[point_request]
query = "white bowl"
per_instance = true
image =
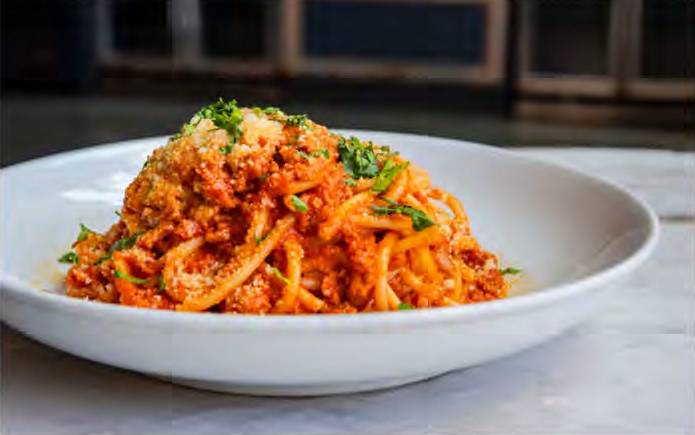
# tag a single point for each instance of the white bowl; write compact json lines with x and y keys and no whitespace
{"x":570,"y":233}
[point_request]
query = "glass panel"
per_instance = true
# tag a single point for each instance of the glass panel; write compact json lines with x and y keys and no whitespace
{"x":570,"y":36}
{"x":234,"y":28}
{"x":668,"y":38}
{"x":141,"y":27}
{"x":389,"y":30}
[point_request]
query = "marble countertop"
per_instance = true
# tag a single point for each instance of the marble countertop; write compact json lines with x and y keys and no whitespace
{"x":628,"y":370}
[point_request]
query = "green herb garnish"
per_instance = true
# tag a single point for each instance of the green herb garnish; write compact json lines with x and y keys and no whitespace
{"x":387,"y":174}
{"x":120,"y":274}
{"x":386,"y":151}
{"x":161,"y":284}
{"x":117,"y":213}
{"x":275,"y":271}
{"x":270,"y":111}
{"x":358,"y":160}
{"x":350,"y":181}
{"x":273,"y":111}
{"x":297,"y":121}
{"x":298,"y":204}
{"x":186,"y":130}
{"x":118,"y":245}
{"x":84,"y":233}
{"x":226,"y":149}
{"x":323,"y":152}
{"x":419,"y":218}
{"x":258,"y":239}
{"x":510,"y":271}
{"x":405,"y":306}
{"x":69,"y":258}
{"x":318,"y":153}
{"x":225,"y":115}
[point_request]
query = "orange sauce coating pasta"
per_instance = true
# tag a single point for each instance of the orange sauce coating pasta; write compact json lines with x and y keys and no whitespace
{"x":254,"y":211}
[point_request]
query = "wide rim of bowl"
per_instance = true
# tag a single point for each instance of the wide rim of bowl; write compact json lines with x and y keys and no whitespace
{"x":11,"y":286}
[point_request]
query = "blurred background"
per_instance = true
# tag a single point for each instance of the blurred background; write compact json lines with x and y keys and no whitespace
{"x":618,"y":73}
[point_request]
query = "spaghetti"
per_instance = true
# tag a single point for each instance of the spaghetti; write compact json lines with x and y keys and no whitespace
{"x":250,"y":210}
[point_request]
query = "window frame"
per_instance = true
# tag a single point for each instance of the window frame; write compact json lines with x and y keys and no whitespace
{"x":294,"y":61}
{"x":624,"y":79}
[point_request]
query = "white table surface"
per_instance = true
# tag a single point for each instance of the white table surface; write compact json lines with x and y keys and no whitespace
{"x":628,"y":370}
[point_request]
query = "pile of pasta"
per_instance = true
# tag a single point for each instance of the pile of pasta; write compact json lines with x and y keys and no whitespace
{"x":251,"y":210}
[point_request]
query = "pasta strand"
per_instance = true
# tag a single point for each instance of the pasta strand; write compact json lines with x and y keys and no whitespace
{"x":226,"y":285}
{"x":294,"y":274}
{"x":399,"y":224}
{"x":380,"y":287}
{"x":425,"y":289}
{"x":426,"y":237}
{"x":328,"y":229}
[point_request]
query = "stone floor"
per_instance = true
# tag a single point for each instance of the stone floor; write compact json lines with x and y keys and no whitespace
{"x":33,"y":126}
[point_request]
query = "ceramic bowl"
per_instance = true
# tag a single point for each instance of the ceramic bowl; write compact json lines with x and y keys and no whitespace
{"x":573,"y":235}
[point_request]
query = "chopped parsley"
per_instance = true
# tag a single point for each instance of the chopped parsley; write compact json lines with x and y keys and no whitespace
{"x":161,"y":284}
{"x":405,"y":306}
{"x":226,"y":149}
{"x":350,"y":181}
{"x":117,"y":213}
{"x":225,"y":115}
{"x":358,"y":160}
{"x":298,"y":204}
{"x":510,"y":271}
{"x":269,"y":111}
{"x":186,"y":130}
{"x":259,"y":239}
{"x":297,"y":121}
{"x":273,"y":111}
{"x":122,"y":275}
{"x":387,"y":174}
{"x":275,"y":271}
{"x":85,"y":232}
{"x":69,"y":258}
{"x":419,"y":218}
{"x":318,"y":153}
{"x":323,"y":152}
{"x":118,"y":245}
{"x":386,"y":151}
